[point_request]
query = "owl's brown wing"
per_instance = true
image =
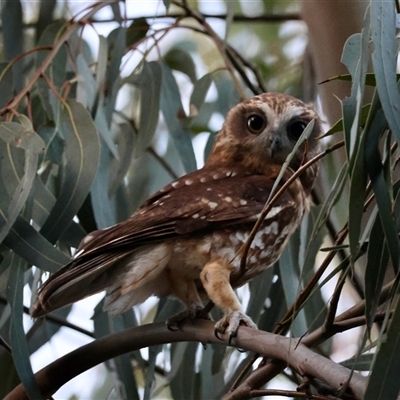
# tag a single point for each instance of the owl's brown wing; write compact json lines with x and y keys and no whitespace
{"x":202,"y":201}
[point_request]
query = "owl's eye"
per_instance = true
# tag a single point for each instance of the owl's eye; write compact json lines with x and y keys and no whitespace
{"x":256,"y":123}
{"x":295,"y":129}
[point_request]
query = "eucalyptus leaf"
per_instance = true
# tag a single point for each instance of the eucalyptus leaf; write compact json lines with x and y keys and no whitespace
{"x":20,"y":195}
{"x":22,"y":137}
{"x":120,"y":367}
{"x":380,"y":187}
{"x":199,"y":93}
{"x":183,"y":384}
{"x":19,"y":345}
{"x":136,"y":31}
{"x":102,"y":125}
{"x":25,"y":241}
{"x":383,"y":383}
{"x":180,"y":60}
{"x":358,"y":183}
{"x":101,"y":66}
{"x":44,"y":329}
{"x":45,"y":18}
{"x":103,"y":206}
{"x":384,"y":59}
{"x":119,"y":167}
{"x":56,"y":71}
{"x":116,"y":49}
{"x":86,"y":89}
{"x":6,"y":84}
{"x":175,"y":117}
{"x":360,"y":363}
{"x":149,"y":84}
{"x":375,"y":271}
{"x":82,"y":158}
{"x":338,"y":126}
{"x":289,"y":272}
{"x":13,"y":39}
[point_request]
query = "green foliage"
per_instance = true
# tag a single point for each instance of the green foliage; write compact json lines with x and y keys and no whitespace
{"x":85,"y":138}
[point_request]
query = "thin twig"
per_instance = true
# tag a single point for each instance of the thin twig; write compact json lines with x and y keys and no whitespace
{"x":4,"y":343}
{"x":274,"y":18}
{"x":250,"y":66}
{"x":52,"y":53}
{"x":330,"y":315}
{"x":241,"y":71}
{"x":221,"y":46}
{"x":162,"y":161}
{"x":287,"y":393}
{"x":308,"y":289}
{"x":53,"y":318}
{"x":244,"y":250}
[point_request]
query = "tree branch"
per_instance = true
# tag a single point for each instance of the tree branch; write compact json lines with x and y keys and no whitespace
{"x":289,"y":351}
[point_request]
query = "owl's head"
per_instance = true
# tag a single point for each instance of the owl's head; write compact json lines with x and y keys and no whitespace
{"x":263,"y":130}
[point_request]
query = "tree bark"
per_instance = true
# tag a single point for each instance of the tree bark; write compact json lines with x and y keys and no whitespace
{"x":330,"y":23}
{"x":289,"y":350}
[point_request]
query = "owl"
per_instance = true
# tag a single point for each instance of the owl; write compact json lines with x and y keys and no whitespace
{"x":185,"y":240}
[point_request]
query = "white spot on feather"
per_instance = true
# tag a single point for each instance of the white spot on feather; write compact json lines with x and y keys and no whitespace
{"x":228,"y":199}
{"x":265,"y":253}
{"x":234,"y":239}
{"x":258,"y":239}
{"x":273,"y":228}
{"x":212,"y":205}
{"x":241,"y":236}
{"x":274,"y":211}
{"x":188,"y":182}
{"x":253,"y":259}
{"x":243,"y":202}
{"x":195,"y":216}
{"x":175,"y":184}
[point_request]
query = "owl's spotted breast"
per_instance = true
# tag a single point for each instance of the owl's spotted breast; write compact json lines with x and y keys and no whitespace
{"x":185,"y":240}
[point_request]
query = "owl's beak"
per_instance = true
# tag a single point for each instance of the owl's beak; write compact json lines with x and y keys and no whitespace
{"x":276,"y":144}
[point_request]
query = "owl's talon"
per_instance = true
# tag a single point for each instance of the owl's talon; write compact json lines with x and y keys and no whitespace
{"x":216,"y":334}
{"x":191,"y":314}
{"x":229,"y":324}
{"x":172,"y":326}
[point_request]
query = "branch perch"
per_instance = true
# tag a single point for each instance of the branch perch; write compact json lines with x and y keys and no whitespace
{"x":290,"y":351}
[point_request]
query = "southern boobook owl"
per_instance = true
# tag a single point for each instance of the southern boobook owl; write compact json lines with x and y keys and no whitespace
{"x":184,"y":240}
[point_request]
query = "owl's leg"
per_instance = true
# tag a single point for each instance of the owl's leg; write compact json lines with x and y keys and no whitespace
{"x":186,"y":291}
{"x":215,"y":278}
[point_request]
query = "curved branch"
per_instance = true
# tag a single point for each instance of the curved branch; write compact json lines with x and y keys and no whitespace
{"x":290,"y":351}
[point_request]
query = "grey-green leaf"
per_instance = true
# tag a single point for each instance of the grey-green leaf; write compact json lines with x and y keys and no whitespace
{"x":384,"y":59}
{"x":20,"y":349}
{"x":384,"y":382}
{"x":180,"y":60}
{"x":82,"y":158}
{"x":175,"y":119}
{"x":20,"y":136}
